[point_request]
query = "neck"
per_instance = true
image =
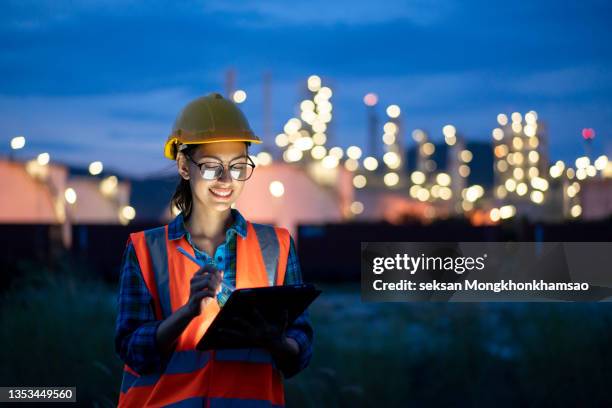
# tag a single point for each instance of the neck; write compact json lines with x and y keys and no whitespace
{"x":208,"y":223}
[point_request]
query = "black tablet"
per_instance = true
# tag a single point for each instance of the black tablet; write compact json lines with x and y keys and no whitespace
{"x":269,"y":301}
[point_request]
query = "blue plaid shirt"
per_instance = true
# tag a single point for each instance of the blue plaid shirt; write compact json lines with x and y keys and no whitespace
{"x":136,"y":325}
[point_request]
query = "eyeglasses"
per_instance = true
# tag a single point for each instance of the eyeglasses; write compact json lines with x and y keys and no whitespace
{"x":213,"y":170}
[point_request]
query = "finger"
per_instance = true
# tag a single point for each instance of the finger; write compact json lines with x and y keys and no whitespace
{"x":202,"y":294}
{"x":214,"y":280}
{"x":214,"y":284}
{"x":200,"y":283}
{"x":198,"y":273}
{"x":204,"y":271}
{"x":218,"y":274}
{"x":196,"y":286}
{"x":208,"y":268}
{"x":205,"y":293}
{"x":206,"y":276}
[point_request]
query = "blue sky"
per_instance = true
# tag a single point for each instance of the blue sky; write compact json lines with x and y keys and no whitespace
{"x":104,"y":80}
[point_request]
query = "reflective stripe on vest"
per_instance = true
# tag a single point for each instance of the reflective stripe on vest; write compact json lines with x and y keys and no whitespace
{"x":229,"y":377}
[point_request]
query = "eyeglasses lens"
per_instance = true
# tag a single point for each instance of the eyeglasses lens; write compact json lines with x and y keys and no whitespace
{"x":238,"y":171}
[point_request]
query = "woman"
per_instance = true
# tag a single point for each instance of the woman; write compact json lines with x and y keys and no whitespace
{"x":166,"y":300}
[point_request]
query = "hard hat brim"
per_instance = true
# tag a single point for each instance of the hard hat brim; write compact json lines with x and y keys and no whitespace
{"x":170,"y":149}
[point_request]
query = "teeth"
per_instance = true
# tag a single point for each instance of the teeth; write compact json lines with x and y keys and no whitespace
{"x":221,"y":192}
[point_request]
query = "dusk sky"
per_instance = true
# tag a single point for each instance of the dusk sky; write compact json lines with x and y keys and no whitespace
{"x":104,"y":80}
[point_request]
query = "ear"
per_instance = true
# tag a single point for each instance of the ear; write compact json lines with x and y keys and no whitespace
{"x":181,"y":164}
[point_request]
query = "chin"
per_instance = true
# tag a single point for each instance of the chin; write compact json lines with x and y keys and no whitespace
{"x":220,"y":206}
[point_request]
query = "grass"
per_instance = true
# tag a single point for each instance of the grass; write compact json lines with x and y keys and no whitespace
{"x":455,"y":354}
{"x":58,"y":328}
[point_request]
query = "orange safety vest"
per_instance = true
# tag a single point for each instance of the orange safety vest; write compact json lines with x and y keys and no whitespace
{"x":213,"y":378}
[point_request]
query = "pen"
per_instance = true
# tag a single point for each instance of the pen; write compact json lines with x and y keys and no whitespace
{"x":224,"y":285}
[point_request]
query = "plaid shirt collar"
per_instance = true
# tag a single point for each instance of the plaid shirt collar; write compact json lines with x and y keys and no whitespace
{"x":176,"y":228}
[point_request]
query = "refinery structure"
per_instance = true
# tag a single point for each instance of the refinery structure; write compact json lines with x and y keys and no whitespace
{"x":526,"y":183}
{"x":304,"y":178}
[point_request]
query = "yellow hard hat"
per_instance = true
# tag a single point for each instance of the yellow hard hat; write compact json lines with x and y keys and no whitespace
{"x":207,"y":119}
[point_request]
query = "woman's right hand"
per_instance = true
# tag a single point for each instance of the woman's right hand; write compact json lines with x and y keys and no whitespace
{"x":205,"y":285}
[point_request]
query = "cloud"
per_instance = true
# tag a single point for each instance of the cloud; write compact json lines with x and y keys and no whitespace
{"x":81,"y":129}
{"x":98,"y":46}
{"x":113,"y":73}
{"x":322,"y":12}
{"x":31,"y":15}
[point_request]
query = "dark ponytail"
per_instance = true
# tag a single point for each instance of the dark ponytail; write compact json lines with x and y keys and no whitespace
{"x":182,"y":197}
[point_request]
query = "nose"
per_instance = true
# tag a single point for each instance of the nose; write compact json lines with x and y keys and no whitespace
{"x":225,"y":178}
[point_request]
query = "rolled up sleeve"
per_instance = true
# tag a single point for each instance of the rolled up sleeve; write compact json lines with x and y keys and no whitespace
{"x":136,"y":325}
{"x":301,"y":329}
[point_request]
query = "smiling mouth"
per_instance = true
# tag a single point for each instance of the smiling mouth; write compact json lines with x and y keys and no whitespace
{"x":221,"y":192}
